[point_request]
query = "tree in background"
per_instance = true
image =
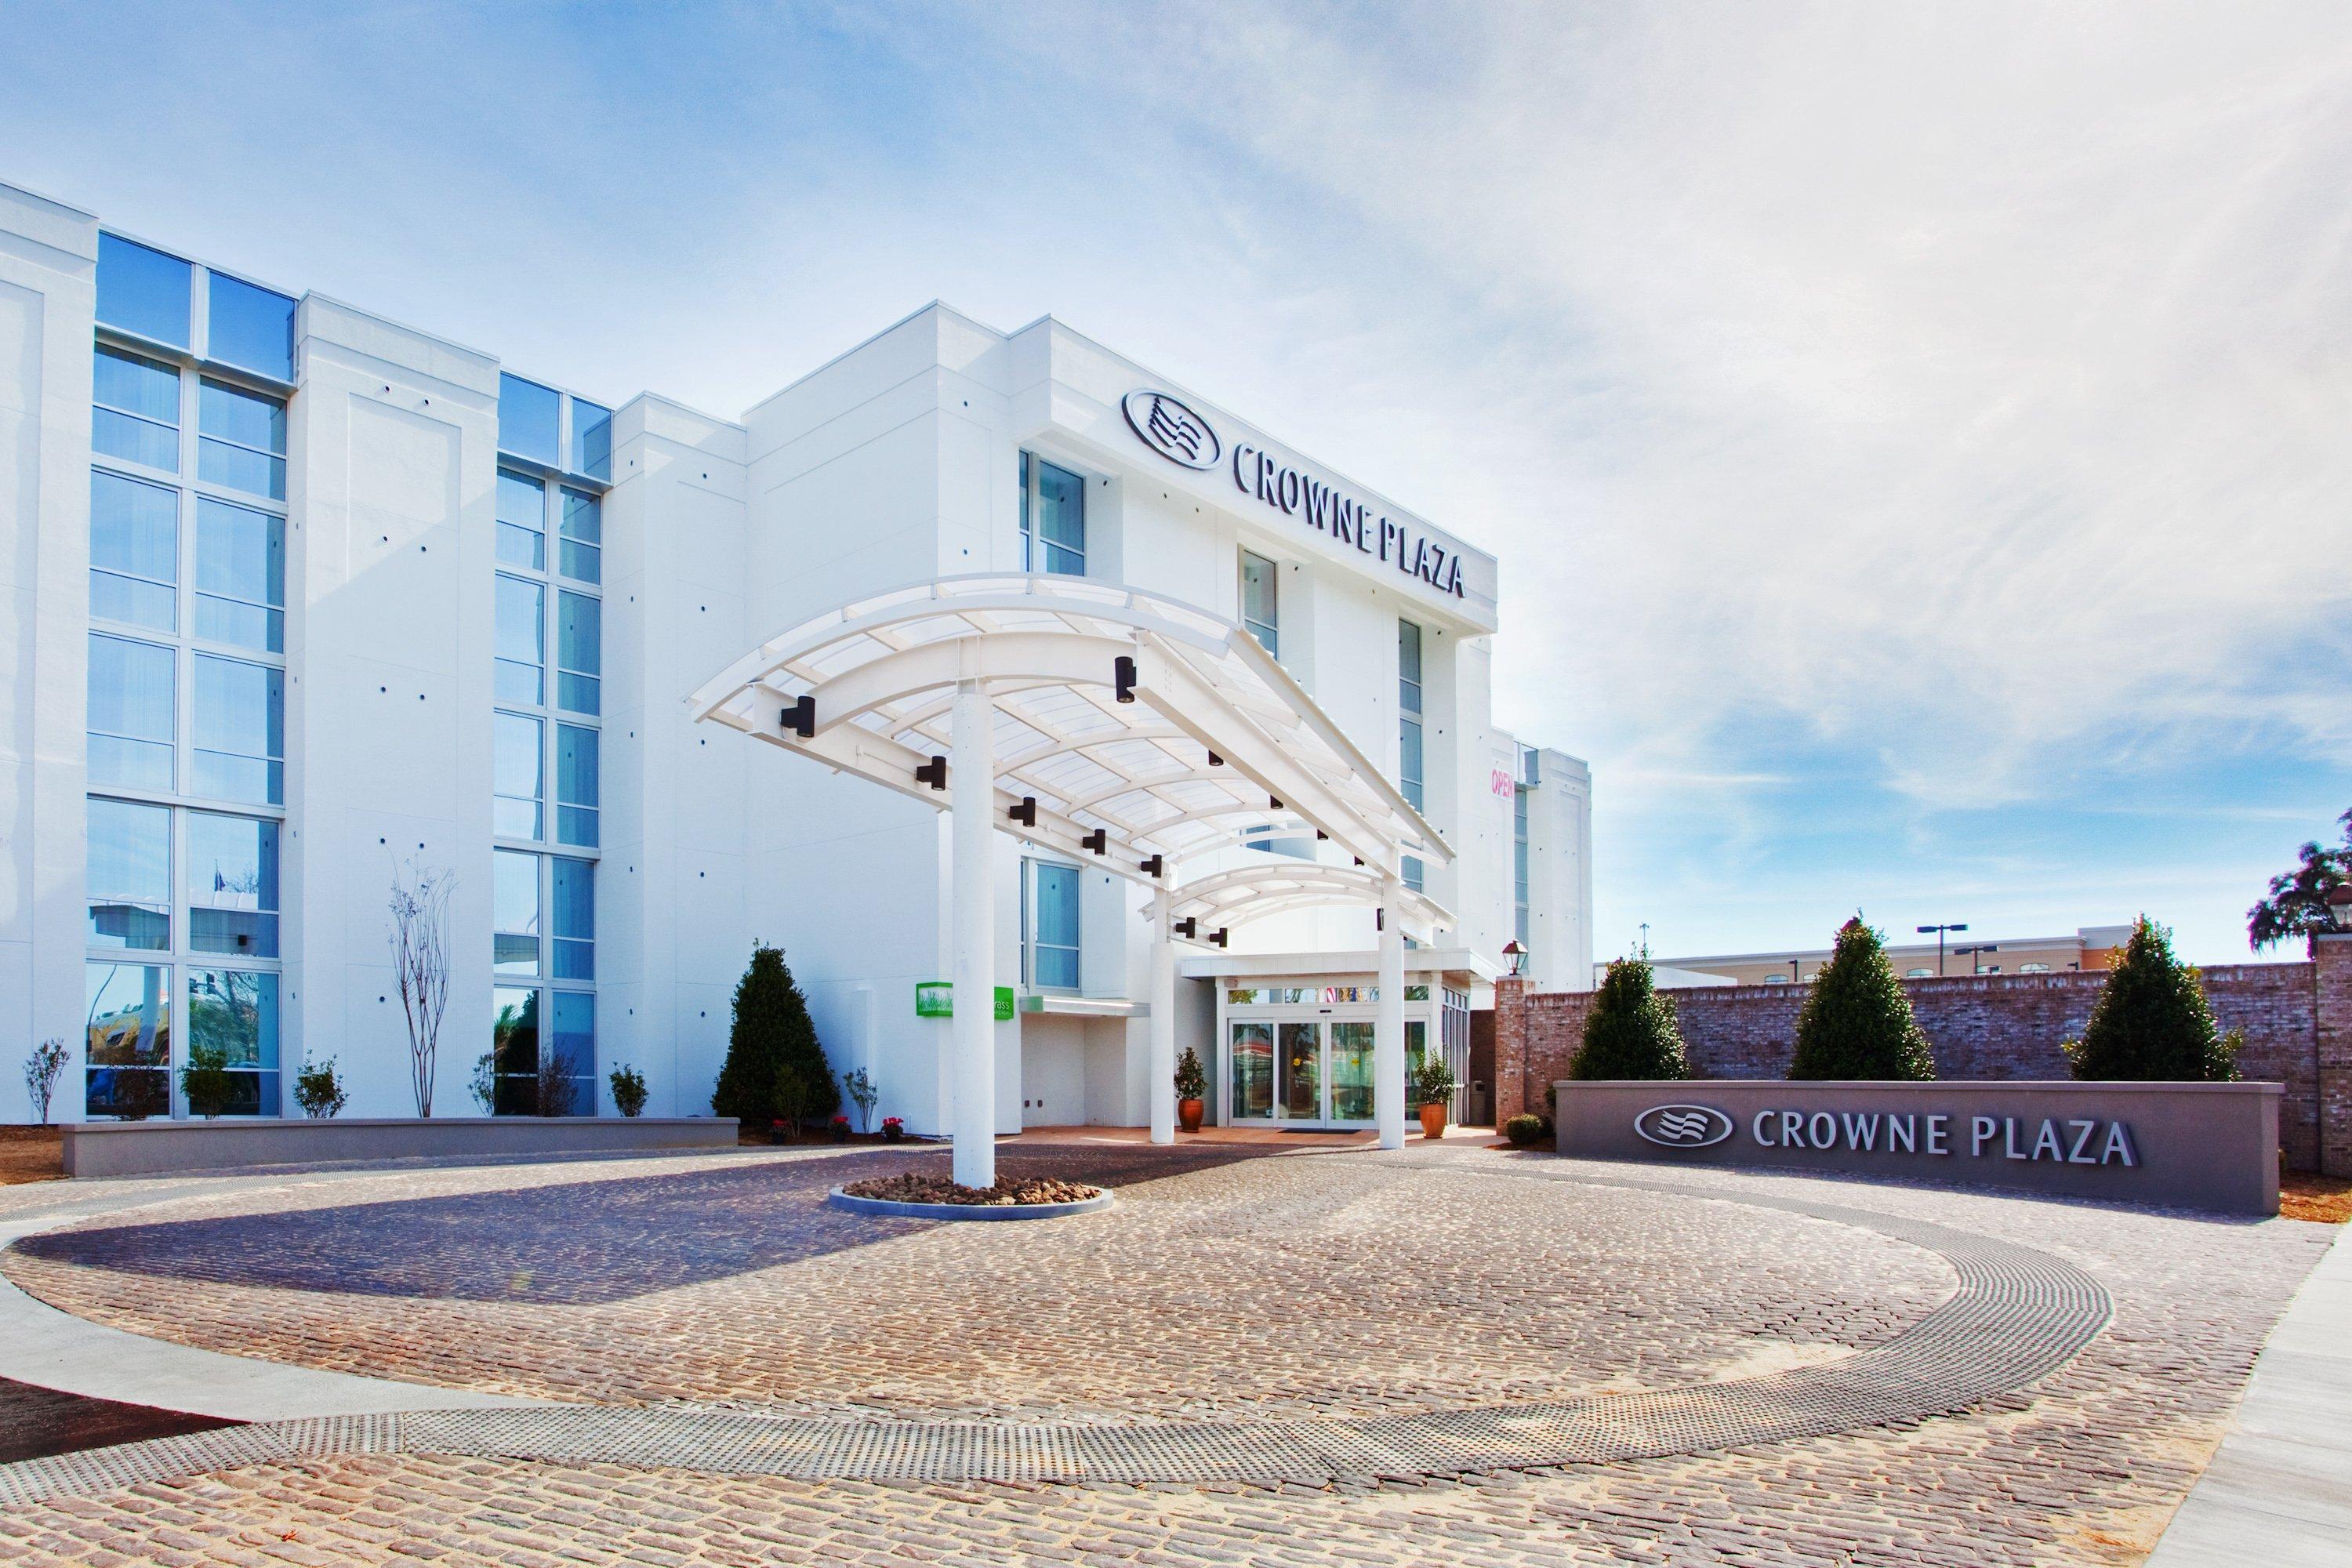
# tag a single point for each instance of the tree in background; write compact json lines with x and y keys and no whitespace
{"x":2297,"y":905}
{"x":1631,"y":1030}
{"x":1857,"y":1022}
{"x":773,"y":1031}
{"x":2152,"y":1022}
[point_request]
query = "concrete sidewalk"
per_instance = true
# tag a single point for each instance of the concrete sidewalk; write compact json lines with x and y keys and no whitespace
{"x":2279,"y":1492}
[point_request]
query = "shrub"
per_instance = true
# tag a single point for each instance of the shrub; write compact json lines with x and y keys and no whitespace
{"x":484,"y":1086}
{"x":1857,"y":1022}
{"x":788,"y":1101}
{"x":559,"y":1091}
{"x":628,"y":1090}
{"x":1433,"y":1081}
{"x":864,"y":1095}
{"x":2152,"y":1021}
{"x":317,"y":1092}
{"x":42,"y":1063}
{"x":1631,"y":1031}
{"x":772,"y":1030}
{"x":1191,"y":1078}
{"x":1523,"y":1131}
{"x":204,"y":1080}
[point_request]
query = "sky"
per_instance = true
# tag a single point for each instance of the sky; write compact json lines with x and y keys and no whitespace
{"x":1918,"y":438}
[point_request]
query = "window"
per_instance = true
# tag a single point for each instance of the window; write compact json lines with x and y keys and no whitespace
{"x":573,"y":929}
{"x":1918,"y":975}
{"x":591,"y":439}
{"x":1050,"y":931}
{"x":579,"y":661}
{"x":575,"y":786}
{"x":1053,"y":519}
{"x":1520,"y":864}
{"x":132,"y":715}
{"x":568,"y":1085}
{"x":130,"y":876}
{"x":574,"y":1040}
{"x":529,"y":417}
{"x":127,"y":1054}
{"x":143,"y":291}
{"x":240,"y":576}
{"x":240,"y":732}
{"x":250,"y":328}
{"x":241,"y":440}
{"x":1409,"y":731}
{"x":522,"y":521}
{"x":2034,"y":969}
{"x":134,"y":410}
{"x":134,"y":552}
{"x":235,"y":1011}
{"x":518,"y":776}
{"x":514,"y":912}
{"x":521,"y":641}
{"x":584,"y":534}
{"x":1258,"y":607}
{"x":514,"y":1051}
{"x":232,"y":885}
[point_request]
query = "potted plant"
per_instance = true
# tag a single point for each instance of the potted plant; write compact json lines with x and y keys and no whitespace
{"x":1433,"y":1090}
{"x":1191,"y":1089}
{"x":893,"y":1130}
{"x":841,"y":1129}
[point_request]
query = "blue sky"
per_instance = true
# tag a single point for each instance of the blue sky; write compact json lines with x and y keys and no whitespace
{"x":1917,"y":436}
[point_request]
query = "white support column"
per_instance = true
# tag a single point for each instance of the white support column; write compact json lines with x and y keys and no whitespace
{"x":1388,"y":1021}
{"x":972,"y":799}
{"x":1163,"y":1020}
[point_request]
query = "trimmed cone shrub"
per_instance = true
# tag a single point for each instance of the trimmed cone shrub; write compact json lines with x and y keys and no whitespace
{"x":772,"y":1030}
{"x":1631,"y":1031}
{"x":1857,"y":1022}
{"x":2152,"y":1021}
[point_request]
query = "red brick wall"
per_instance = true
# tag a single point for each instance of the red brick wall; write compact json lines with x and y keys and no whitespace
{"x":2332,"y":958}
{"x":1992,"y":1026}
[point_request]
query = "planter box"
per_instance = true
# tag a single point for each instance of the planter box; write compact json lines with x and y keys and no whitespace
{"x":166,"y":1148}
{"x":2212,"y":1146}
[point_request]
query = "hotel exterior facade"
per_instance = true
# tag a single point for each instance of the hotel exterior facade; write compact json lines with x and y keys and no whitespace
{"x":304,"y":603}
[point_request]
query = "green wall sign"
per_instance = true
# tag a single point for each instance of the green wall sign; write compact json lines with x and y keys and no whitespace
{"x":935,"y":999}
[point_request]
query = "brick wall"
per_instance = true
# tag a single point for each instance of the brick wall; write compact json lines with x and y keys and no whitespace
{"x":1990,"y":1026}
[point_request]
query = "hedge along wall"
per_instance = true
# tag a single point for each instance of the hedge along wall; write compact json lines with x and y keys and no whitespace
{"x":1983,"y":1026}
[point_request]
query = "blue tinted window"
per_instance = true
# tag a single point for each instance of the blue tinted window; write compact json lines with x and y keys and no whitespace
{"x":134,"y":550}
{"x":522,"y":521}
{"x":235,"y":1010}
{"x":578,"y":652}
{"x":591,"y":439}
{"x":143,"y":291}
{"x":240,"y":576}
{"x":573,"y":921}
{"x":251,"y":328}
{"x":521,"y":641}
{"x":1054,"y":954}
{"x":241,"y":440}
{"x":131,"y":716}
{"x":128,"y":873}
{"x":584,"y":532}
{"x":240,"y":732}
{"x":574,"y":1042}
{"x":136,"y":416}
{"x":529,"y":417}
{"x":517,"y":771}
{"x":575,"y":786}
{"x":232,"y":885}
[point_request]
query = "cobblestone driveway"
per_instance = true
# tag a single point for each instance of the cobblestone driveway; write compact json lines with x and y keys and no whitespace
{"x":1328,"y":1284}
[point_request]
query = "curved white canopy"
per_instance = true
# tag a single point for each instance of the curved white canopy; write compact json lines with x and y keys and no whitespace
{"x":1129,"y":730}
{"x":1230,"y":900}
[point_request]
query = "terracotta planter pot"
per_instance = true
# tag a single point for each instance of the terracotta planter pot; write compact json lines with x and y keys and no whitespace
{"x":1433,"y":1119}
{"x":1188,"y":1114}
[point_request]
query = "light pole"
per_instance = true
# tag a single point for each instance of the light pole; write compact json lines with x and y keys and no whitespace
{"x":1939,"y":931}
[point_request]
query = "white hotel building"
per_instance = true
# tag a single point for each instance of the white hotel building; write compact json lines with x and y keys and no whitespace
{"x":297,"y":596}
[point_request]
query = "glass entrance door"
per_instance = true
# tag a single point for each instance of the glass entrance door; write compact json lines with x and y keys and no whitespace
{"x":1351,"y":1072}
{"x":1252,"y":1071}
{"x":1298,"y":1070}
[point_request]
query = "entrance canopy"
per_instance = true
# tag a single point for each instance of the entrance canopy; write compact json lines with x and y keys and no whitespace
{"x":1126,"y":730}
{"x":1231,"y":900}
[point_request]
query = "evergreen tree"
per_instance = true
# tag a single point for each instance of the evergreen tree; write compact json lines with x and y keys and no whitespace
{"x":1631,"y":1030}
{"x":2152,"y":1022}
{"x":1857,"y":1022}
{"x":772,"y":1030}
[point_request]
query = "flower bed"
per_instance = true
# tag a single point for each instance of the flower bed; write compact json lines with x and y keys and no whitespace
{"x":1008,"y":1192}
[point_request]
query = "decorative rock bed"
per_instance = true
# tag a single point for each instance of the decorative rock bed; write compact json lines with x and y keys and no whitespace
{"x":912,"y":1195}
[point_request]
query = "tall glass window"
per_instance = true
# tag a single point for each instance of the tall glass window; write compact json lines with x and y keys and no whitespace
{"x":134,"y":410}
{"x":514,"y":911}
{"x":132,"y":721}
{"x":240,"y":576}
{"x":250,"y":328}
{"x":530,"y":419}
{"x":1053,"y":926}
{"x":235,"y":1011}
{"x":1053,"y":519}
{"x":514,"y":1050}
{"x":241,"y":440}
{"x":143,"y":291}
{"x":575,"y":786}
{"x":240,"y":732}
{"x":130,"y":876}
{"x":1409,"y":759}
{"x":134,"y":552}
{"x":518,"y":776}
{"x":584,"y":536}
{"x":573,"y":1040}
{"x":522,"y":521}
{"x":1260,"y":612}
{"x":521,"y":641}
{"x":572,"y":930}
{"x":232,"y":885}
{"x":591,"y":439}
{"x":127,"y":1052}
{"x":1520,"y":864}
{"x":579,"y":652}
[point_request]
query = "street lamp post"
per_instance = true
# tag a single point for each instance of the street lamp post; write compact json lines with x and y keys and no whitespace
{"x":1939,"y":931}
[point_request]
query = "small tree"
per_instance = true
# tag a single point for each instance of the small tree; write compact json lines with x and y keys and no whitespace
{"x":628,"y":1090}
{"x":2297,"y":905}
{"x":864,"y":1095}
{"x":788,"y":1101}
{"x":1857,"y":1022}
{"x":2152,"y":1021}
{"x":1433,"y":1082}
{"x":42,"y":1066}
{"x":317,"y":1092}
{"x":772,"y":1030}
{"x":204,"y":1079}
{"x":1631,"y":1031}
{"x":1192,"y":1080}
{"x":484,"y":1085}
{"x":420,"y":960}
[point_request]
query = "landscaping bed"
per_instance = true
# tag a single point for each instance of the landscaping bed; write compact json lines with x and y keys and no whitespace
{"x":1010,"y":1192}
{"x":2303,"y":1195}
{"x":31,"y":1154}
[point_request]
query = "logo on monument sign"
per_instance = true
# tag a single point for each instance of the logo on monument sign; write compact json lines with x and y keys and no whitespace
{"x":1170,"y":429}
{"x":1683,"y":1126}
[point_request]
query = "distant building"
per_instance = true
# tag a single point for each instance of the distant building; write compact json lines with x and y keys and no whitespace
{"x":2091,"y":947}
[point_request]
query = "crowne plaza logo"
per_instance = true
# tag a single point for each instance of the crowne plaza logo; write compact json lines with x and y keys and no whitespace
{"x":1172,"y":429}
{"x":1683,"y":1126}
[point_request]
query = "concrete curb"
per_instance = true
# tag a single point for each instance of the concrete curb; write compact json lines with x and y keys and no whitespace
{"x":896,"y":1210}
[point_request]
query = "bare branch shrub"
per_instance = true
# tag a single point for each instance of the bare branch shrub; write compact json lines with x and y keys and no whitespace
{"x":420,"y":955}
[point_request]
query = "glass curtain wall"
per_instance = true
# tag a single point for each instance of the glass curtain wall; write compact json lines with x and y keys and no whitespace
{"x":1053,"y":518}
{"x":555,"y":459}
{"x":1409,"y":730}
{"x":191,"y":372}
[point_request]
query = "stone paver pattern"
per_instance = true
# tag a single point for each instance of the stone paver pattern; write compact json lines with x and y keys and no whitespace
{"x":1530,"y":1286}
